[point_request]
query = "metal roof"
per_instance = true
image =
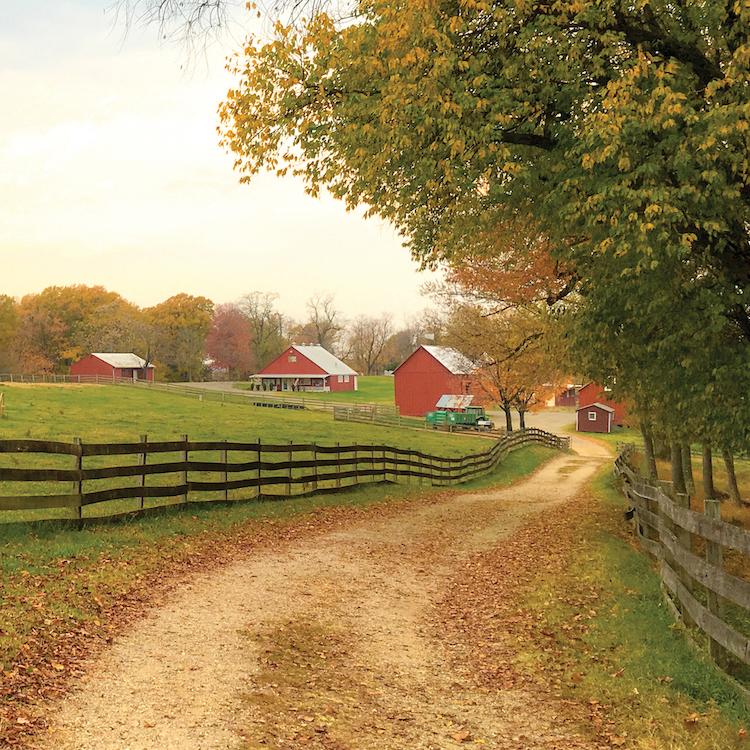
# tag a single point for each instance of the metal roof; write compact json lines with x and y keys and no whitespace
{"x":598,"y":405}
{"x":451,"y":359}
{"x":448,"y":401}
{"x":324,"y":359}
{"x":121,"y":359}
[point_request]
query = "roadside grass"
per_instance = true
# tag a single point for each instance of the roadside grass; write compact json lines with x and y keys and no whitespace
{"x":122,"y":414}
{"x":607,"y":641}
{"x":371,"y":389}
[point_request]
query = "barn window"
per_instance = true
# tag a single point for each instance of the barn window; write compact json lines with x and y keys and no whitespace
{"x":292,"y":358}
{"x":592,"y":416}
{"x":346,"y":378}
{"x":341,"y":378}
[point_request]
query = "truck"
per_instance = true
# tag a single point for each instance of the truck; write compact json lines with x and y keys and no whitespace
{"x":457,"y":413}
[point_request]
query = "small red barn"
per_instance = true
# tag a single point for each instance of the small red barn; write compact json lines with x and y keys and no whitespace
{"x":593,"y":393}
{"x":427,"y":374}
{"x":306,"y":368}
{"x":113,"y":365}
{"x":595,"y":418}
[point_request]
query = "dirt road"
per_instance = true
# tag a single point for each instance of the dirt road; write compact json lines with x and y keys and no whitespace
{"x":330,"y":643}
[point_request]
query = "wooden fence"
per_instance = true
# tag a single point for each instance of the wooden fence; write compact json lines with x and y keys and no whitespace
{"x":702,"y":560}
{"x":225,"y":469}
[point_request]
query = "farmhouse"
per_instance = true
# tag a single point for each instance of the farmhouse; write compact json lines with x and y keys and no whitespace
{"x":306,"y":368}
{"x":113,"y":365}
{"x":595,"y":418}
{"x":593,"y":393}
{"x":429,"y":373}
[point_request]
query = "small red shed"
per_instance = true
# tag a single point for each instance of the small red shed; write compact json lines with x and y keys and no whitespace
{"x":113,"y":365}
{"x":428,"y":373}
{"x":595,"y":418}
{"x":593,"y":393}
{"x":306,"y":368}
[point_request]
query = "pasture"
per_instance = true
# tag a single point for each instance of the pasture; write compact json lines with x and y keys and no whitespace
{"x":372,"y":389}
{"x":123,"y":414}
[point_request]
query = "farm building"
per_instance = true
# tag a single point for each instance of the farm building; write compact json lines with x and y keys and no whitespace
{"x":306,"y":368}
{"x":593,"y":393}
{"x":429,"y":373}
{"x":113,"y":365}
{"x":595,"y":418}
{"x":568,"y":396}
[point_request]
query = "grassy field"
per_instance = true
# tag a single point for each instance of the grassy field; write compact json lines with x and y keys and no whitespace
{"x":371,"y":389}
{"x":604,"y":636}
{"x":112,"y":413}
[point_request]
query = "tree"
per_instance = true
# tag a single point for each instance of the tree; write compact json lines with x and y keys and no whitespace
{"x":9,"y":323}
{"x":55,"y":324}
{"x":366,"y":339}
{"x":266,"y":327}
{"x":181,"y":325}
{"x":323,"y":325}
{"x":229,"y":343}
{"x":516,"y":367}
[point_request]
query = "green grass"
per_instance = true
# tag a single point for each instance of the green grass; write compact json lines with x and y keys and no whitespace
{"x":112,"y":413}
{"x":616,"y":644}
{"x":371,"y":389}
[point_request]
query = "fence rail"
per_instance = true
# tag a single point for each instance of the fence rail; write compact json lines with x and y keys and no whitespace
{"x":303,"y":468}
{"x":699,"y":589}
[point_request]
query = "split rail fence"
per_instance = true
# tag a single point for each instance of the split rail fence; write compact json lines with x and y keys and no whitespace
{"x":701,"y":560}
{"x":190,"y":470}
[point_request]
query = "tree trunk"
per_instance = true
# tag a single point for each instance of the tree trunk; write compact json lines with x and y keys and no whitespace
{"x":708,"y":472}
{"x":734,"y":490}
{"x":678,"y":478}
{"x":687,"y":468}
{"x":648,"y":451}
{"x":508,"y":418}
{"x":521,"y":419}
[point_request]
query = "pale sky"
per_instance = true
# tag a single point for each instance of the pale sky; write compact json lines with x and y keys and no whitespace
{"x":111,"y":174}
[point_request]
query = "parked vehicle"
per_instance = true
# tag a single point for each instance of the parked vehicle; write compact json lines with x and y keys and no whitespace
{"x":466,"y":418}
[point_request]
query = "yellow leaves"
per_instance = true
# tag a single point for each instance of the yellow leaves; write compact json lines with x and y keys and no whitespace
{"x":652,"y":210}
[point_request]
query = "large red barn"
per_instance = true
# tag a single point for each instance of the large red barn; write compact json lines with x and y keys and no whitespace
{"x":113,"y":365}
{"x":306,"y":368}
{"x":429,"y":373}
{"x":593,"y":393}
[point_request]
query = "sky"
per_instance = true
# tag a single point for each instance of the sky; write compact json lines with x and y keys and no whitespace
{"x":111,"y":173}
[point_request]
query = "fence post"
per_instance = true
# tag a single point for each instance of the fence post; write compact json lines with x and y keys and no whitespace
{"x":79,"y":481}
{"x":315,"y":467}
{"x":714,"y":557}
{"x":356,"y":465}
{"x":338,"y":466}
{"x":185,"y":459}
{"x":143,"y":459}
{"x":260,"y":482}
{"x":289,"y":472}
{"x":385,"y":471}
{"x":225,"y":461}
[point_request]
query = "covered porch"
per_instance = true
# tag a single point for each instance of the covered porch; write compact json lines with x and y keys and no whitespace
{"x":289,"y":383}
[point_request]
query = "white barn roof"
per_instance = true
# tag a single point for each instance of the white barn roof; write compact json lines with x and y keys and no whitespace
{"x":121,"y":359}
{"x":451,"y":359}
{"x":597,"y":405}
{"x":324,"y":359}
{"x":451,"y":401}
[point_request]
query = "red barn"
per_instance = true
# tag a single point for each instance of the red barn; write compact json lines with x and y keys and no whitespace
{"x":568,"y":397}
{"x":429,"y":373}
{"x":595,"y":418}
{"x":593,"y":393}
{"x":306,"y":368}
{"x":113,"y":365}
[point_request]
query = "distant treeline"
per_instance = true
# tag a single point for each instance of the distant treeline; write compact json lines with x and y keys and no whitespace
{"x":187,"y":337}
